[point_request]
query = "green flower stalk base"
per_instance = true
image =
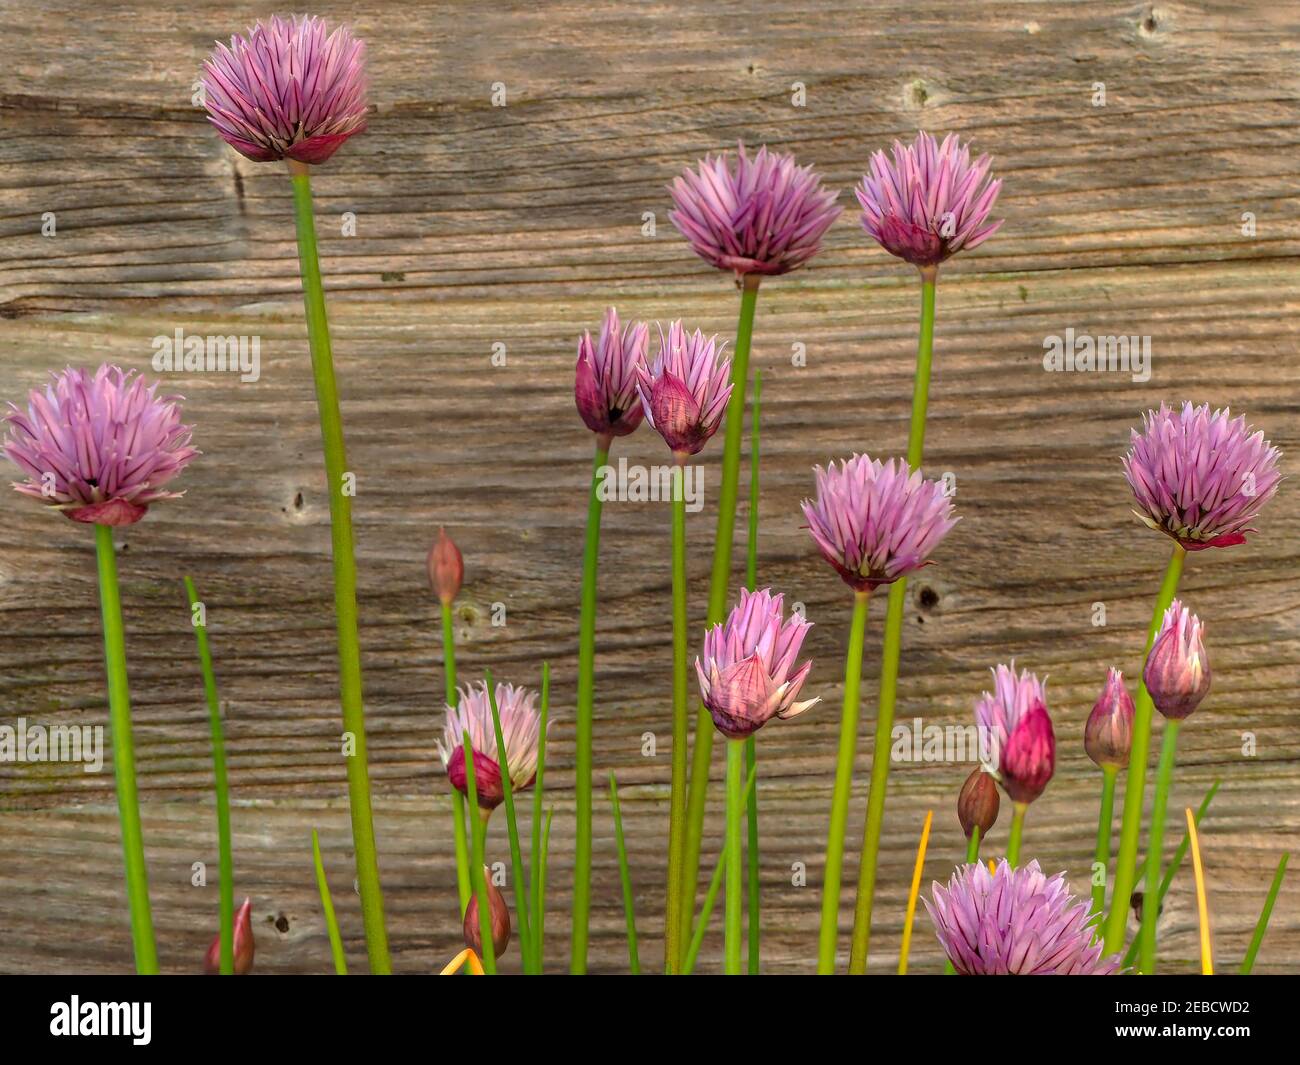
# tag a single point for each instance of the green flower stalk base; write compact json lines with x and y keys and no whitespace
{"x":674,"y":922}
{"x":1155,"y":845}
{"x":719,"y":581}
{"x":1135,"y":784}
{"x":733,"y":922}
{"x":585,"y":714}
{"x":119,"y":717}
{"x":892,"y":649}
{"x":345,"y":574}
{"x":1105,"y":819}
{"x":1018,"y":811}
{"x":830,"y":925}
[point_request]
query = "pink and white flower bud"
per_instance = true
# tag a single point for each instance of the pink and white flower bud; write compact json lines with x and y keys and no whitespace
{"x":1177,"y":673}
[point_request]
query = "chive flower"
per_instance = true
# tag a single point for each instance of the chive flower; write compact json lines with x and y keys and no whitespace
{"x":930,"y":201}
{"x":876,"y":521}
{"x":605,"y":386}
{"x":99,"y":447}
{"x":520,"y":728}
{"x":685,"y":391}
{"x":1177,"y":672}
{"x":763,"y":214}
{"x":747,"y":672}
{"x":1108,"y":733}
{"x":1014,"y":720}
{"x":289,"y":89}
{"x":1015,"y":922}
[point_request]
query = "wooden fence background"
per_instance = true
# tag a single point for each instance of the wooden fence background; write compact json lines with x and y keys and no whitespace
{"x":478,"y":225}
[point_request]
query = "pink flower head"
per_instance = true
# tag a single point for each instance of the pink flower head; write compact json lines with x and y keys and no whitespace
{"x":521,"y":726}
{"x":764,"y":215}
{"x":745,"y":673}
{"x":242,"y":942}
{"x":1199,"y":477}
{"x":1015,"y":922}
{"x":288,"y":90}
{"x":930,"y":201}
{"x":875,"y":522}
{"x":1017,"y":732}
{"x":1108,"y":733}
{"x":1177,"y":672}
{"x":607,"y":373}
{"x":98,"y":447}
{"x":685,"y":392}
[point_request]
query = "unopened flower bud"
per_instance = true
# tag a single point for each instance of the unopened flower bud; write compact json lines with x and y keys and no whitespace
{"x":500,"y":914}
{"x":1108,"y":735}
{"x":243,"y":943}
{"x":978,"y":802}
{"x":1177,"y":673}
{"x":1029,"y":757}
{"x":446,"y":568}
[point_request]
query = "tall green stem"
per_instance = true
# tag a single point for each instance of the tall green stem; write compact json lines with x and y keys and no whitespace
{"x":478,"y":876}
{"x":843,"y":786}
{"x":1135,"y":782}
{"x":345,"y":574}
{"x":225,"y":861}
{"x":892,"y":650}
{"x":536,"y":856}
{"x":732,"y":923}
{"x":119,"y":718}
{"x":674,"y":944}
{"x":463,"y":887}
{"x":1105,"y":818}
{"x":1155,"y":846}
{"x":1018,"y":811}
{"x":752,"y":915}
{"x":728,"y":493}
{"x":585,"y":715}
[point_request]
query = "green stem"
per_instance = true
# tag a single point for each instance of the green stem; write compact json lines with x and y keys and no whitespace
{"x":584,"y":717}
{"x":1155,"y":845}
{"x":735,"y":885}
{"x":539,"y":888}
{"x":752,"y":916}
{"x":119,"y":717}
{"x":522,"y":902}
{"x":892,"y":650}
{"x":345,"y":574}
{"x":625,"y":878}
{"x":537,"y":869}
{"x":711,"y":897}
{"x":673,"y":921}
{"x":1018,"y":811}
{"x":1248,"y":963}
{"x":1125,"y":875}
{"x":478,"y":832}
{"x":457,"y":799}
{"x":327,"y":906}
{"x":1105,"y":818}
{"x":224,"y":858}
{"x":728,"y":493}
{"x":843,"y":786}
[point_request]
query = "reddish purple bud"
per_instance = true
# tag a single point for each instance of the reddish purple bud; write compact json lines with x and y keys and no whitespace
{"x":243,"y":944}
{"x":499,"y":913}
{"x":1177,"y":673}
{"x":1108,"y":735}
{"x":487,"y":778}
{"x":446,"y":568}
{"x":685,"y":392}
{"x":978,"y":803}
{"x":605,"y":386}
{"x":1029,"y":757}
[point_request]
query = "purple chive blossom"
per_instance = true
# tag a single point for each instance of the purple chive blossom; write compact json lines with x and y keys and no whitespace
{"x":745,"y":674}
{"x":1199,"y":477}
{"x":98,"y":447}
{"x":1108,"y":733}
{"x":1015,"y":922}
{"x":762,"y":215}
{"x":929,"y":201}
{"x":521,"y":725}
{"x":1016,"y":733}
{"x":685,"y":392}
{"x":288,"y":90}
{"x":605,"y":388}
{"x":1177,"y":672}
{"x":875,"y":522}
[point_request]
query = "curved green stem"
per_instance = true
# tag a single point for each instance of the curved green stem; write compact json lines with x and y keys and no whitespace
{"x":225,"y":860}
{"x":732,"y":923}
{"x":1261,"y":926}
{"x":1018,"y":811}
{"x":728,"y":493}
{"x":327,"y":907}
{"x":843,"y":785}
{"x":1125,"y":875}
{"x":119,"y":718}
{"x":1155,"y":845}
{"x":584,"y":717}
{"x":674,"y":921}
{"x":345,"y":574}
{"x":892,"y":650}
{"x":457,"y":799}
{"x":1105,"y":818}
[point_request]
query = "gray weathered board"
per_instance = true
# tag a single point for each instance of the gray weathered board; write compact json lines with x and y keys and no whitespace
{"x":478,"y":225}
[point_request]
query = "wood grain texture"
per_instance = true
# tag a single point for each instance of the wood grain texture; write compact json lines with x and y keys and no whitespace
{"x":477,"y":225}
